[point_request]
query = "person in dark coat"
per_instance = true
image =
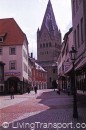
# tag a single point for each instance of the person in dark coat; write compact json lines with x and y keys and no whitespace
{"x":54,"y":84}
{"x":28,"y":90}
{"x":68,"y":90}
{"x":12,"y":92}
{"x":35,"y":89}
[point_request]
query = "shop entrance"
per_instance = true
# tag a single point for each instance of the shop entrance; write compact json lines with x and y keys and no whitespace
{"x":13,"y":81}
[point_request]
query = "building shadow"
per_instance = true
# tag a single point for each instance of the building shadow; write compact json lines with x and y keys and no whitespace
{"x":48,"y":120}
{"x":40,"y":121}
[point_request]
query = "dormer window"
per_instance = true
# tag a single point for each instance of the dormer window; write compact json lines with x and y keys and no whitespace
{"x":1,"y":39}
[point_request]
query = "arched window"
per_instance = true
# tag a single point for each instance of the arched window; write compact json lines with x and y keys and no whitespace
{"x":43,"y":45}
{"x":49,"y":44}
{"x":46,"y":44}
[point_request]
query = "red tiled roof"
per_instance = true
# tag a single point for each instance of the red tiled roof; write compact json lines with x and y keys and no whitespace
{"x":12,"y":33}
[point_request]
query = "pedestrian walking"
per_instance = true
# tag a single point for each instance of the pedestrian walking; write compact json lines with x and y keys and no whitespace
{"x":28,"y":90}
{"x":35,"y":89}
{"x":12,"y":92}
{"x":54,"y":84}
{"x":68,"y":90}
{"x":58,"y":89}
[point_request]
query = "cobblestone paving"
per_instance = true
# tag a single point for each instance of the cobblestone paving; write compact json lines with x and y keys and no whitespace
{"x":38,"y":111}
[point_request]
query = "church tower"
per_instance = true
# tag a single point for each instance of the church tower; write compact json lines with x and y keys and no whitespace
{"x":49,"y":44}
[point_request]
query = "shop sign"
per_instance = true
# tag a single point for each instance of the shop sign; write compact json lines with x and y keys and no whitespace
{"x":66,"y":66}
{"x":12,"y":73}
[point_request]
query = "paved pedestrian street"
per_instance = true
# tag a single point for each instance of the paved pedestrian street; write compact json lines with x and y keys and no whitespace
{"x":45,"y":110}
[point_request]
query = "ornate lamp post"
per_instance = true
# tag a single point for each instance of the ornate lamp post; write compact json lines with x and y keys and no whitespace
{"x":72,"y":56}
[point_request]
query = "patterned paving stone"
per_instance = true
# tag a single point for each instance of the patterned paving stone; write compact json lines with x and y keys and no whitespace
{"x":44,"y":108}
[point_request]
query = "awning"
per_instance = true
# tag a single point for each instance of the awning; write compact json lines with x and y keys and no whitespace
{"x":1,"y":63}
{"x":81,"y":64}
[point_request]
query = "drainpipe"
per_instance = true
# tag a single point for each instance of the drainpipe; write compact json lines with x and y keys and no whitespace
{"x":84,"y":10}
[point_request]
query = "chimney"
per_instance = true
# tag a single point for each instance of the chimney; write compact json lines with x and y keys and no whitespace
{"x":31,"y":55}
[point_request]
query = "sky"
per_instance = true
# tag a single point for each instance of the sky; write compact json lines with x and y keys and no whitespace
{"x":29,"y":16}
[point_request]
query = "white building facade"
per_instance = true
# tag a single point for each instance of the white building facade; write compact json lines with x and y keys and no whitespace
{"x":14,"y":48}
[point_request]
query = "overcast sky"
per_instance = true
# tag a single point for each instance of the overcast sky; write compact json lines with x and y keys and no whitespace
{"x":29,"y":15}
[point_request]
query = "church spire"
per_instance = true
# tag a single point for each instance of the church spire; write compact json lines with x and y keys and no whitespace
{"x":49,"y":2}
{"x":49,"y":18}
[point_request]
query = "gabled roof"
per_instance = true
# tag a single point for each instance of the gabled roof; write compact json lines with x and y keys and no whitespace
{"x":66,"y":35}
{"x":11,"y":32}
{"x":38,"y":67}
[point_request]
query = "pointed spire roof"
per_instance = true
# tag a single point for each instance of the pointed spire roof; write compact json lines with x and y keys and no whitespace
{"x":49,"y":18}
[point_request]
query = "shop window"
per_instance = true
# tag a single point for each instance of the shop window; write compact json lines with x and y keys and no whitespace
{"x":0,"y":51}
{"x":1,"y":88}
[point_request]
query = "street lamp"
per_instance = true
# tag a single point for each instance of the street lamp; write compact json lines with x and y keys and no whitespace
{"x":72,"y":56}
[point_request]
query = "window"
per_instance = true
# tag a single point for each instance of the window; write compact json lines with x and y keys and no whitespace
{"x":0,"y":51}
{"x":46,"y":44}
{"x":1,"y":73}
{"x":12,"y":65}
{"x":78,"y":35}
{"x":24,"y":54}
{"x":40,"y":45}
{"x":25,"y":68}
{"x":1,"y":39}
{"x":54,"y":70}
{"x":82,"y":30}
{"x":43,"y":45}
{"x":46,"y":52}
{"x":12,"y":50}
{"x":49,"y":44}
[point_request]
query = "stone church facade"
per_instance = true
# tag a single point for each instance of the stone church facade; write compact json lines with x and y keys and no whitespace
{"x":49,"y":45}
